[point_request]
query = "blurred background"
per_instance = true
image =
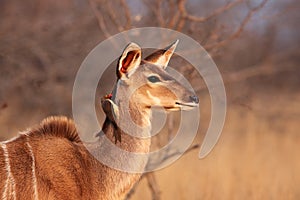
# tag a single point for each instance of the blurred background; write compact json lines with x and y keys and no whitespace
{"x":255,"y":44}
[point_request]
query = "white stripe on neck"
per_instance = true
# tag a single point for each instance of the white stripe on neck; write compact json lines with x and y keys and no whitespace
{"x":34,"y":181}
{"x":10,"y":181}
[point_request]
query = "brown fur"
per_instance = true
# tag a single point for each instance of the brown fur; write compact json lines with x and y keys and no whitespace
{"x":64,"y":168}
{"x":55,"y":144}
{"x":57,"y":127}
{"x":50,"y":162}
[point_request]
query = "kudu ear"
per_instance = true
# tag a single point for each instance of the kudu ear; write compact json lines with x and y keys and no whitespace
{"x":162,"y":56}
{"x":129,"y":60}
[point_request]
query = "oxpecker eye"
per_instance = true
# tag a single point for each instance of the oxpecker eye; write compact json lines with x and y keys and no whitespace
{"x":153,"y":79}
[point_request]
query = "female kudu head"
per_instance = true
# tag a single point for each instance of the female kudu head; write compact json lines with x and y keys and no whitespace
{"x":143,"y":84}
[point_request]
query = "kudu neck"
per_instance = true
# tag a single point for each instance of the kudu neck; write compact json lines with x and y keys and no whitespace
{"x":127,"y":124}
{"x":132,"y":111}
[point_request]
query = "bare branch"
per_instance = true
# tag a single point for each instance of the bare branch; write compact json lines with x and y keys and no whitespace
{"x":159,"y":12}
{"x":127,"y":14}
{"x":238,"y":32}
{"x":101,"y":23}
{"x":182,"y":10}
{"x":154,"y":187}
{"x":258,"y":70}
{"x":287,"y":10}
{"x":151,"y":179}
{"x":265,"y":68}
{"x":132,"y":191}
{"x":217,"y":12}
{"x":174,"y":13}
{"x":170,"y":154}
{"x":156,"y":9}
{"x":99,"y":18}
{"x":113,"y":16}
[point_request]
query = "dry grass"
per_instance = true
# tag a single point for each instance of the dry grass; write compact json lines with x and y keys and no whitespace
{"x":257,"y":157}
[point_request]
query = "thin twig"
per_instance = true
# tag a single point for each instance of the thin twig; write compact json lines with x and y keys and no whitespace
{"x":182,"y":19}
{"x":156,"y":9}
{"x":159,"y":13}
{"x":101,"y":23}
{"x":132,"y":191}
{"x":151,"y":179}
{"x":127,"y":14}
{"x":153,"y":185}
{"x":174,"y":15}
{"x":261,"y":69}
{"x":113,"y":16}
{"x":213,"y":14}
{"x":238,"y":32}
{"x":99,"y":18}
{"x":166,"y":156}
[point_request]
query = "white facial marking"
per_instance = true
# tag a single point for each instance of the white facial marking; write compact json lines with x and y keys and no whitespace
{"x":155,"y":99}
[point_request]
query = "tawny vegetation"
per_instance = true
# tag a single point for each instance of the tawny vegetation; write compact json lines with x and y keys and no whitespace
{"x":51,"y":162}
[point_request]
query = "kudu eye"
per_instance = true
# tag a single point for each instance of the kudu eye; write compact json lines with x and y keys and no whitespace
{"x":153,"y":79}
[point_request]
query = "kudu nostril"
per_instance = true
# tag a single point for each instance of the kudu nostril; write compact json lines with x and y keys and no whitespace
{"x":194,"y":98}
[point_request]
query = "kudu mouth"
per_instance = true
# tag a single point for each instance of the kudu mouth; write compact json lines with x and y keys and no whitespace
{"x":194,"y":102}
{"x":186,"y":106}
{"x":179,"y":106}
